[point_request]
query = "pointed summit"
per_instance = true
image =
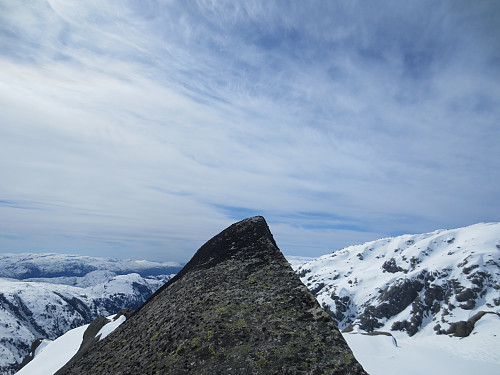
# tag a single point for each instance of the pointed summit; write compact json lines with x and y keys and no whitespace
{"x":236,"y":308}
{"x":249,"y":238}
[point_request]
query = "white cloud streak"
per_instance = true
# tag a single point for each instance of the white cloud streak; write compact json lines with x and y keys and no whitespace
{"x":143,"y":130}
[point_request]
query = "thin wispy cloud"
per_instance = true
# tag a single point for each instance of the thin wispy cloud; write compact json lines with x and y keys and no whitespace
{"x":140,"y":129}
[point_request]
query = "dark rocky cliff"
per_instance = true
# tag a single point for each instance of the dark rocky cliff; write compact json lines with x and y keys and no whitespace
{"x":236,"y":308}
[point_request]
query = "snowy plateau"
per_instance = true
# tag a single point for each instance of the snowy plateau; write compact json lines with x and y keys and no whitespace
{"x":416,"y":304}
{"x":42,"y":296}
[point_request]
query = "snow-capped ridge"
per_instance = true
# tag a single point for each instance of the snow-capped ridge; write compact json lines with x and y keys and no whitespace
{"x":410,"y":281}
{"x":437,"y":294}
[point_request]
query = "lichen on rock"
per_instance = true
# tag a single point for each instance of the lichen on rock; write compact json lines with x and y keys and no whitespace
{"x":236,"y":308}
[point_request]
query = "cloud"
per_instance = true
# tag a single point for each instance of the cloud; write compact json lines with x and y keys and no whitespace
{"x":143,"y":130}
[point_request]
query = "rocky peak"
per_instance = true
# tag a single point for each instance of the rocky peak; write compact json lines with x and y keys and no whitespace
{"x":246,"y":239}
{"x":236,"y":308}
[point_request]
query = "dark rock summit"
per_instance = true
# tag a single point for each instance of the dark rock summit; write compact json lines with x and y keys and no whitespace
{"x":236,"y":308}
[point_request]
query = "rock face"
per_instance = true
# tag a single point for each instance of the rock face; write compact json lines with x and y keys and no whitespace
{"x":236,"y":308}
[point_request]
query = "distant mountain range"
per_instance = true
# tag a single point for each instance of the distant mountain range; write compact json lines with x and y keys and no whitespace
{"x":45,"y":295}
{"x":52,"y":265}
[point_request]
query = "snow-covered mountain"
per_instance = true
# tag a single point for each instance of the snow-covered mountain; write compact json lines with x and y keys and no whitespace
{"x":68,"y":291}
{"x":414,"y":287}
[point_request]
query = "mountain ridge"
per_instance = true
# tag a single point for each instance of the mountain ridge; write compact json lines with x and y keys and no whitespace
{"x":206,"y":255}
{"x":238,"y":308}
{"x":410,"y":282}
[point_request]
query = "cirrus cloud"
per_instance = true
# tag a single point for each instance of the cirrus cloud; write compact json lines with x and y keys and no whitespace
{"x":140,"y":130}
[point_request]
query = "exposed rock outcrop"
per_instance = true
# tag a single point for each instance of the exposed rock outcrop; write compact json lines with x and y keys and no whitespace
{"x":464,"y":328}
{"x":236,"y":308}
{"x":433,"y":281}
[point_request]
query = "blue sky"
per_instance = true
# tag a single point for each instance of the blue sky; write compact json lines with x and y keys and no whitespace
{"x":142,"y":128}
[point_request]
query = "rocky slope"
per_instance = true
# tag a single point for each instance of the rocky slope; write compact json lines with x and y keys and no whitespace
{"x":443,"y":282}
{"x":68,"y":292}
{"x":236,"y":308}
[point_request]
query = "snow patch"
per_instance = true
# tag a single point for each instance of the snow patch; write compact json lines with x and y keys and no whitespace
{"x":55,"y":354}
{"x":50,"y":356}
{"x":110,"y":327}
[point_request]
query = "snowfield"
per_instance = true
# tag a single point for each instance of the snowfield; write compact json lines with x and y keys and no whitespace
{"x":426,"y":353}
